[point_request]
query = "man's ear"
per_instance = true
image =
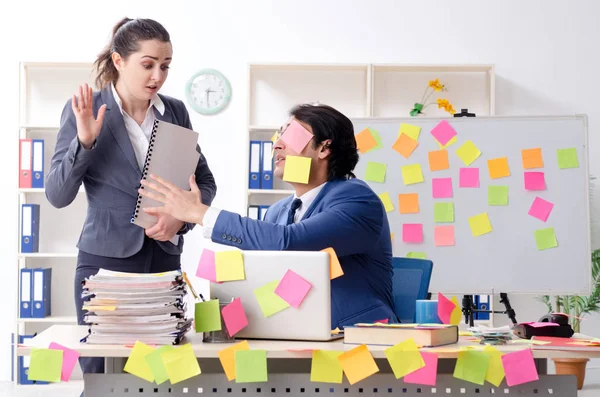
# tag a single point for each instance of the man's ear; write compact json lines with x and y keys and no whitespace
{"x":325,"y":149}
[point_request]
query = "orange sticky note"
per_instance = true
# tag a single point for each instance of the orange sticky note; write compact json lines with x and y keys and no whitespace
{"x":498,"y":168}
{"x":335,"y":269}
{"x":405,"y":145}
{"x":365,"y":141}
{"x":358,"y":364}
{"x":532,"y":158}
{"x":227,"y":358}
{"x":408,"y":203}
{"x":438,"y":160}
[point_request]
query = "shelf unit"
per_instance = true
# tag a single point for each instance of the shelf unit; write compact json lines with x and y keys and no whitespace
{"x":44,"y":89}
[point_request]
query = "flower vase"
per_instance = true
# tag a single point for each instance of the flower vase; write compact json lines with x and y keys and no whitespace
{"x":416,"y":110}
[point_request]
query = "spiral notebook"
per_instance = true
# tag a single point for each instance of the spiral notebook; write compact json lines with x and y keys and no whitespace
{"x":172,"y":155}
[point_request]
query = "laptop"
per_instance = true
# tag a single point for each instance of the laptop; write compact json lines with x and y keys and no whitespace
{"x":310,"y":321}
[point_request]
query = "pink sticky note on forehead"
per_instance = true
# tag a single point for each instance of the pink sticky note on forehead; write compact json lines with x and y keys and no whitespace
{"x":519,"y":367}
{"x":207,"y":267}
{"x":412,"y":233}
{"x":441,"y":187}
{"x":541,"y":209}
{"x":535,"y":181}
{"x":296,"y":137}
{"x":234,"y":317}
{"x":443,"y":132}
{"x":70,"y":358}
{"x":426,"y":375}
{"x":468,"y":177}
{"x":293,"y":289}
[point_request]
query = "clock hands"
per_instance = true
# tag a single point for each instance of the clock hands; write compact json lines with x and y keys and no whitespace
{"x":208,"y":91}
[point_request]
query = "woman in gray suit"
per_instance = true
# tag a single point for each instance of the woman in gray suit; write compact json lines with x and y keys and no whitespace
{"x":102,"y":143}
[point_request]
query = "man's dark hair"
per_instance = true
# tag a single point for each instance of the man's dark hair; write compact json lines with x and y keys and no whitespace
{"x":328,"y":123}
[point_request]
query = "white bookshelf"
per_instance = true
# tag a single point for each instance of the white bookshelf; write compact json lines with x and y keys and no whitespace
{"x":44,"y":89}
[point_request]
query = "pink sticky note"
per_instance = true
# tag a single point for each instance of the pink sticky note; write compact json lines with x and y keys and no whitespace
{"x":535,"y":181}
{"x":293,"y":289}
{"x":234,"y":317}
{"x":426,"y":375}
{"x":441,"y":187}
{"x":412,"y":233}
{"x":70,"y":358}
{"x":542,"y":325}
{"x":296,"y":136}
{"x":519,"y":367}
{"x":468,"y":177}
{"x":444,"y":235}
{"x":443,"y":132}
{"x":541,"y":209}
{"x":206,"y":267}
{"x":445,"y":308}
{"x":384,"y":321}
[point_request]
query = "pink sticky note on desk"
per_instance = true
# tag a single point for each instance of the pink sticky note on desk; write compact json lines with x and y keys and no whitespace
{"x":535,"y":181}
{"x":541,"y":209}
{"x":441,"y":187}
{"x":234,"y":317}
{"x":412,"y":233}
{"x":70,"y":358}
{"x":426,"y":375}
{"x":293,"y":289}
{"x":445,"y":308}
{"x":296,"y":136}
{"x":519,"y":367}
{"x":468,"y":177}
{"x":206,"y":266}
{"x":443,"y":132}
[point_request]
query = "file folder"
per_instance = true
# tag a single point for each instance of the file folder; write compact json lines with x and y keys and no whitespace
{"x":262,"y":210}
{"x":254,"y":170}
{"x":253,"y":212}
{"x":25,"y":301}
{"x":267,"y":165}
{"x":42,"y":283}
{"x":30,"y":227}
{"x":25,"y":160}
{"x":37,"y":179}
{"x":483,"y":303}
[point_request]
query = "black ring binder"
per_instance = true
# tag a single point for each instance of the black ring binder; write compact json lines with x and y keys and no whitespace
{"x":145,"y":170}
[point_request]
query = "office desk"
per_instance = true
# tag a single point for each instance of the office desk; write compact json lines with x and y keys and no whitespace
{"x":289,"y":371}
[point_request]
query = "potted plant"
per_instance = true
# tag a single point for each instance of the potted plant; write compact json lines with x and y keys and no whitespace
{"x":442,"y":103}
{"x":576,"y":307}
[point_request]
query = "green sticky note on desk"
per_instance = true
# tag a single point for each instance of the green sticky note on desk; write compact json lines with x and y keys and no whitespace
{"x":251,"y":366}
{"x":497,"y":195}
{"x":567,"y":158}
{"x":136,"y":363}
{"x":375,"y":172}
{"x":207,"y":316}
{"x":181,"y":363}
{"x":325,"y":367}
{"x":545,"y":238}
{"x":45,"y":365}
{"x":269,"y":302}
{"x":443,"y":212}
{"x":404,"y":358}
{"x":472,"y":366}
{"x":155,"y":362}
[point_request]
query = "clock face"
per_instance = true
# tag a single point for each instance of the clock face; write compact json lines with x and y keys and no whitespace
{"x":208,"y":92}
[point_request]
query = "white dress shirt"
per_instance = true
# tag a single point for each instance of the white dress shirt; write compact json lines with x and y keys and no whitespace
{"x":210,"y":218}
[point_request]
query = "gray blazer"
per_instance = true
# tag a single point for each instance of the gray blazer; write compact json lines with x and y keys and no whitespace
{"x":111,"y":176}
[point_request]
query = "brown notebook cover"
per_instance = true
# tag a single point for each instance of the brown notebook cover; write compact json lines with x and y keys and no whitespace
{"x":392,"y":334}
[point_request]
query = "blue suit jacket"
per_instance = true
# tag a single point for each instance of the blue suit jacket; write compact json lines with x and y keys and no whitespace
{"x":111,"y":177}
{"x":346,"y":215}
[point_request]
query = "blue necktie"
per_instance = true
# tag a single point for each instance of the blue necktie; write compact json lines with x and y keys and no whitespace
{"x":295,"y":205}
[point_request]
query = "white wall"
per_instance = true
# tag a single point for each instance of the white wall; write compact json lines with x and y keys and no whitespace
{"x":545,"y":52}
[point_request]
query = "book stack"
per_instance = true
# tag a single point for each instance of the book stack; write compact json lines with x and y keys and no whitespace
{"x":129,"y":307}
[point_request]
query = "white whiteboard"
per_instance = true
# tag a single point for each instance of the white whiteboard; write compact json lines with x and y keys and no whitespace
{"x":506,"y":259}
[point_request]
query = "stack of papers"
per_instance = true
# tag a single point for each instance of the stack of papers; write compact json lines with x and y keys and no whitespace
{"x":129,"y":307}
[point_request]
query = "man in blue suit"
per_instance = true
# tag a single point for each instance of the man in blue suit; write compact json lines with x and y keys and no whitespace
{"x":334,"y":209}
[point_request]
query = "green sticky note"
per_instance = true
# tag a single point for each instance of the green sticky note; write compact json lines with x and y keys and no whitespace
{"x":567,"y":158}
{"x":155,"y":362}
{"x":418,"y":255}
{"x":497,"y":195}
{"x":375,"y":172}
{"x":269,"y":302}
{"x":325,"y":367}
{"x":251,"y":366}
{"x":377,"y":138}
{"x":443,"y":212}
{"x":472,"y":366}
{"x":181,"y":363}
{"x":45,"y":365}
{"x":207,"y":316}
{"x":545,"y":238}
{"x":404,"y":358}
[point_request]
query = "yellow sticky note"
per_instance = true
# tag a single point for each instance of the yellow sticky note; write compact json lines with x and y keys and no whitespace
{"x":405,"y":145}
{"x":227,"y":358}
{"x":468,"y":152}
{"x":412,"y":174}
{"x":480,"y":224}
{"x":269,"y":302}
{"x":456,"y":314}
{"x":297,"y":169}
{"x":181,"y":363}
{"x":229,"y":266}
{"x":412,"y":131}
{"x":404,"y":358}
{"x":274,"y":137}
{"x":387,"y":201}
{"x":325,"y":366}
{"x":450,"y":142}
{"x":136,"y":363}
{"x":358,"y":364}
{"x":45,"y":365}
{"x":335,"y":268}
{"x":498,"y":168}
{"x":495,"y":371}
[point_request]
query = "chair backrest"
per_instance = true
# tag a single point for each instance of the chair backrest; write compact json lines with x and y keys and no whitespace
{"x":410,"y":282}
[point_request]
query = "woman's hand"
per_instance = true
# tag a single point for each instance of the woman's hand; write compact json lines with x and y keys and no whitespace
{"x":88,"y":128}
{"x":165,"y":228}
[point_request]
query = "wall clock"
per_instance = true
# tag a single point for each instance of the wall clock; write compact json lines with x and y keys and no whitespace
{"x":208,"y":92}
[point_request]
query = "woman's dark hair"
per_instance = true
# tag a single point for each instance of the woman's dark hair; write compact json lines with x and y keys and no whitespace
{"x":125,"y":40}
{"x":328,"y":123}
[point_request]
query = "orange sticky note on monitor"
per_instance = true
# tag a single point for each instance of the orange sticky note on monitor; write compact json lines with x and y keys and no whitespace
{"x":358,"y":364}
{"x":365,"y":141}
{"x":335,"y":269}
{"x":408,"y":203}
{"x":297,"y":169}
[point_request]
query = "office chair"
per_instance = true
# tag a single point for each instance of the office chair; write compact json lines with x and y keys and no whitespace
{"x":410,"y":282}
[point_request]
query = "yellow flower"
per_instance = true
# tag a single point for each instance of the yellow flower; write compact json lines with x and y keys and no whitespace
{"x":450,"y":109}
{"x":436,"y":85}
{"x":442,"y":103}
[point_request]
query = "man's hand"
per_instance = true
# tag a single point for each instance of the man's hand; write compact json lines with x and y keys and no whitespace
{"x":165,"y":228}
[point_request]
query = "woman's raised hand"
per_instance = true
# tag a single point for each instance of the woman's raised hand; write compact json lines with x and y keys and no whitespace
{"x":88,"y":128}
